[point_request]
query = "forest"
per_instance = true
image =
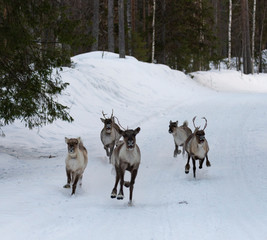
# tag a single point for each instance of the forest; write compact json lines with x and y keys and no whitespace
{"x":187,"y":35}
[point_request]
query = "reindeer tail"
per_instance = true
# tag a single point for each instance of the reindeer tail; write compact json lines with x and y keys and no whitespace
{"x":185,"y":124}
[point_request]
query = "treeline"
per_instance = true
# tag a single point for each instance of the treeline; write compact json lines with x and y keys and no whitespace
{"x":38,"y":36}
{"x":189,"y":34}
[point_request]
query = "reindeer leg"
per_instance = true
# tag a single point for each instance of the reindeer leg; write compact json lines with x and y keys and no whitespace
{"x":111,"y":151}
{"x":201,"y":163}
{"x":76,"y":179}
{"x":114,"y":190}
{"x":133,"y":176}
{"x":207,"y":161}
{"x":194,"y":166}
{"x":68,"y":172}
{"x":176,"y":151}
{"x":80,"y":180}
{"x":107,"y":152}
{"x":122,"y":171}
{"x":187,"y":166}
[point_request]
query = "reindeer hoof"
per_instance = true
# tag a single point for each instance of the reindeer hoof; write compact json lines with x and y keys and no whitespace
{"x":187,"y":167}
{"x":67,"y":185}
{"x":208,"y":164}
{"x":120,"y":197}
{"x":179,"y":151}
{"x":113,"y":194}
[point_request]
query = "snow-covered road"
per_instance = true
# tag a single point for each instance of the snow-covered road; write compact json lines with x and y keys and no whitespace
{"x":226,"y":201}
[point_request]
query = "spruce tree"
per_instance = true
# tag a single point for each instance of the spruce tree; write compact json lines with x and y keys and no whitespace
{"x":31,"y":38}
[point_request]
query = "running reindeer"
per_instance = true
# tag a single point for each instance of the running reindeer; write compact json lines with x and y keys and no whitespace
{"x":180,"y":134}
{"x":110,"y":134}
{"x":126,"y":156}
{"x":76,"y":161}
{"x":197,"y":148}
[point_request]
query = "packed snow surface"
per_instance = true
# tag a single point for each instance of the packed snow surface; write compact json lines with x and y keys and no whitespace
{"x":225,"y":201}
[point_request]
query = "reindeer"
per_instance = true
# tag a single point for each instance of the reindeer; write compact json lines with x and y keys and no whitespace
{"x":110,"y":134}
{"x":76,"y":161}
{"x":197,"y":148}
{"x":126,"y":156}
{"x":180,"y":134}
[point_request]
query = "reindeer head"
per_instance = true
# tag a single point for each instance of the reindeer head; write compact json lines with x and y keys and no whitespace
{"x":173,"y":126}
{"x":73,"y":144}
{"x":200,"y":134}
{"x":129,"y":137}
{"x":108,"y":122}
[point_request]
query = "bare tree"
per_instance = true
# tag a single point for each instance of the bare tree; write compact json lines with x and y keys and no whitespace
{"x":253,"y":35}
{"x":95,"y":30}
{"x":121,"y":29}
{"x":111,"y":25}
{"x":246,"y":52}
{"x":129,"y":25}
{"x":229,"y":34}
{"x":153,"y":29}
{"x":261,"y":26}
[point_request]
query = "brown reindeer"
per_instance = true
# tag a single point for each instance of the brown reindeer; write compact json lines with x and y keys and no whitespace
{"x":126,"y":156}
{"x":76,"y":161}
{"x":110,"y":134}
{"x":197,"y":148}
{"x":180,"y":134}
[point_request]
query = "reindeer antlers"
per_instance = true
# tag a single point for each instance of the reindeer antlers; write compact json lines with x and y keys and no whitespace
{"x":104,"y":114}
{"x":206,"y":122}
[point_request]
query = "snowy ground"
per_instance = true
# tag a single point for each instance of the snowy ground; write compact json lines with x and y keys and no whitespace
{"x":226,"y":201}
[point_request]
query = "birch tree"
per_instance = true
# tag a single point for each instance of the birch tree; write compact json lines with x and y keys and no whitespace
{"x":121,"y":29}
{"x":111,"y":25}
{"x":129,"y":26}
{"x":253,"y":36}
{"x":153,"y":34}
{"x":229,"y":34}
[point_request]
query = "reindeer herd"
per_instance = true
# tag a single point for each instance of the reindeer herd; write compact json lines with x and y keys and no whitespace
{"x":125,"y":154}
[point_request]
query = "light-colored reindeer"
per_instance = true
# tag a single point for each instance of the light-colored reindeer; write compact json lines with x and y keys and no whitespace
{"x":180,"y":134}
{"x":76,"y":161}
{"x":109,"y":134}
{"x":197,"y":148}
{"x":126,"y":156}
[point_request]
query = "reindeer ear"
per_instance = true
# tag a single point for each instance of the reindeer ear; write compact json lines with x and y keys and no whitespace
{"x":121,"y":132}
{"x":137,"y":130}
{"x":177,"y":123}
{"x":79,"y":139}
{"x":66,"y":140}
{"x":102,"y":119}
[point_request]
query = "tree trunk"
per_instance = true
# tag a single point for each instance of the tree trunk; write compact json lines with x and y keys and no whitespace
{"x":253,"y":35}
{"x":95,"y":30}
{"x":121,"y":29}
{"x":247,"y":68}
{"x":111,"y":47}
{"x":229,"y":34}
{"x":129,"y":25}
{"x":153,"y":29}
{"x":261,"y":38}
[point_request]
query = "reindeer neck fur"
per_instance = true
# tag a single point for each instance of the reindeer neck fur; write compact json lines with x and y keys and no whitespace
{"x":108,"y":138}
{"x":132,"y":156}
{"x":199,"y":150}
{"x":77,"y":160}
